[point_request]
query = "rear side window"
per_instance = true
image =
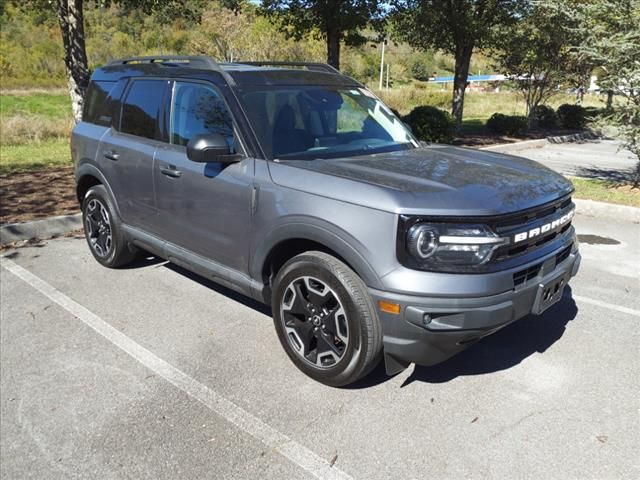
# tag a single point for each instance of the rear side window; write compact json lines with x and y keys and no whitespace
{"x":141,"y":108}
{"x":95,"y":100}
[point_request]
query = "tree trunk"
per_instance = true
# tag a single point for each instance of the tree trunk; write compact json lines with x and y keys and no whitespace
{"x":609,"y":100}
{"x":333,"y":48}
{"x":463,"y":60}
{"x":71,"y":20}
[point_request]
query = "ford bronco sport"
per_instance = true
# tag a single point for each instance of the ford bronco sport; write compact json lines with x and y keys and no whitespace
{"x":296,"y":186}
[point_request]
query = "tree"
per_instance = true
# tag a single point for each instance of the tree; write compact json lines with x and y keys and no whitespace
{"x":70,"y":15}
{"x":458,"y":27}
{"x":334,"y":20}
{"x":612,"y":30}
{"x":538,"y":52}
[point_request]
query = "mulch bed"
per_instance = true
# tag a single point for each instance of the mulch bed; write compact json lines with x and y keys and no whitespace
{"x":33,"y":195}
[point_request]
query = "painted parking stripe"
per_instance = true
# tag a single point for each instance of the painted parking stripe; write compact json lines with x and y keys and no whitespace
{"x":245,"y":421}
{"x":598,"y":303}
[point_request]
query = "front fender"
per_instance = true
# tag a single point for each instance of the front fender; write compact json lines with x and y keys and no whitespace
{"x":319,"y":231}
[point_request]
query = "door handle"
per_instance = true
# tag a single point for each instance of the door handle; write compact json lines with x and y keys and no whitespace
{"x":111,"y":155}
{"x":171,"y":171}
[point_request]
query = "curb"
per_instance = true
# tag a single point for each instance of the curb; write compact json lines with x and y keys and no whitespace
{"x":45,"y":228}
{"x":539,"y":143}
{"x":517,"y":146}
{"x":576,"y":137}
{"x":601,"y":209}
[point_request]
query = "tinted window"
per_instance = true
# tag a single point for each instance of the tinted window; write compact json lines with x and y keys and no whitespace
{"x":198,"y":109}
{"x":140,"y":108}
{"x":95,"y":100}
{"x":312,"y":122}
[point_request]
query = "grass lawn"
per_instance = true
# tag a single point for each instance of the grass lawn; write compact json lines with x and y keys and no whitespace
{"x":35,"y":156}
{"x":45,"y":105}
{"x":604,"y":191}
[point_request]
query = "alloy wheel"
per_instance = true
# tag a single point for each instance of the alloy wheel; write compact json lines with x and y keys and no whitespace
{"x":98,"y":228}
{"x":315,"y":322}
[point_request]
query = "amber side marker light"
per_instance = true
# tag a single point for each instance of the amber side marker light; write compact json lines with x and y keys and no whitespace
{"x":389,"y":307}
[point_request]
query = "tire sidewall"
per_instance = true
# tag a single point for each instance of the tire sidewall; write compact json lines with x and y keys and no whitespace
{"x":354,"y":357}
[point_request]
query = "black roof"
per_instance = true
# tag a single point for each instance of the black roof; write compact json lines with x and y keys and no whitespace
{"x":249,"y":73}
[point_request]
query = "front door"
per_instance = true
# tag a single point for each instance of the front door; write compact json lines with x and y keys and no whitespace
{"x":203,"y":207}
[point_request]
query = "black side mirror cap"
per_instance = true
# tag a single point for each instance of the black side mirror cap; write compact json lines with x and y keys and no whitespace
{"x":210,"y":147}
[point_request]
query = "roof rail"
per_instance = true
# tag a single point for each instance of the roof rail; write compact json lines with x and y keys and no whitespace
{"x":189,"y":61}
{"x":315,"y":66}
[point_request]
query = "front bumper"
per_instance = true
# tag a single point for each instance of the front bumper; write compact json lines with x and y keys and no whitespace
{"x":429,"y":330}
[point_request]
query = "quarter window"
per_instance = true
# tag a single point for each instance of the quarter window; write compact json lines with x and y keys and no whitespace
{"x":198,"y":109}
{"x":141,"y":107}
{"x":95,"y":100}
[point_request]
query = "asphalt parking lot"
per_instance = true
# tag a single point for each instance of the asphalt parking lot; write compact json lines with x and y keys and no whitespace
{"x":603,"y":159}
{"x":151,"y":372}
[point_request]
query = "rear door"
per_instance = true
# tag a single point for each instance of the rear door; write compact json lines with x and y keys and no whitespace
{"x":203,"y":207}
{"x":126,"y":152}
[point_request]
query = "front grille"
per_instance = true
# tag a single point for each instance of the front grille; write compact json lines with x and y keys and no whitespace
{"x":528,"y":220}
{"x":563,"y":255}
{"x":526,"y":274}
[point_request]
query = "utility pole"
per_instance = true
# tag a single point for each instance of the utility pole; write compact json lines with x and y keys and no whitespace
{"x":387,"y":75}
{"x":384,"y":41}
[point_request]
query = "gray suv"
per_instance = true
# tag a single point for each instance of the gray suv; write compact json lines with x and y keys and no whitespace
{"x":296,"y":186}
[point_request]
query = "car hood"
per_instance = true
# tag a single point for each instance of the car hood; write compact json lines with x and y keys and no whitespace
{"x":435,"y":180}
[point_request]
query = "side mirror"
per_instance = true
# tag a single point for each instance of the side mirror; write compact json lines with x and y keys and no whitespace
{"x":210,"y":147}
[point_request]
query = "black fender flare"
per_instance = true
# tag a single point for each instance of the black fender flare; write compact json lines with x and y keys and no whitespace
{"x":88,"y":169}
{"x":319,"y":231}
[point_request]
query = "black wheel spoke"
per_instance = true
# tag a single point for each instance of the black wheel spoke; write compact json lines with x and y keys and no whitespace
{"x":299,"y":306}
{"x":327,"y":343}
{"x":318,"y":300}
{"x":315,"y":322}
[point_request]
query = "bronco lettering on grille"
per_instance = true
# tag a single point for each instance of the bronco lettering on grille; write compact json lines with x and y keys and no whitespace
{"x":546,"y":228}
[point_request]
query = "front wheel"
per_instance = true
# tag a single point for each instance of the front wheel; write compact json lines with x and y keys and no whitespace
{"x":325,"y":319}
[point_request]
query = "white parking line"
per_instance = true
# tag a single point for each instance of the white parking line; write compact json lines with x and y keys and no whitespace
{"x":598,"y":303}
{"x":245,"y":421}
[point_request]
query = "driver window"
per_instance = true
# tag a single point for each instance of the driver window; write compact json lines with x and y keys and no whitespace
{"x":198,"y":109}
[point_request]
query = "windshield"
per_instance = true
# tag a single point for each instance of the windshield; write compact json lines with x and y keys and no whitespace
{"x":317,"y":122}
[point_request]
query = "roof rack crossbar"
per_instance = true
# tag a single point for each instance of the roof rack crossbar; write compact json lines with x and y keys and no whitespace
{"x":315,"y":66}
{"x":193,"y":61}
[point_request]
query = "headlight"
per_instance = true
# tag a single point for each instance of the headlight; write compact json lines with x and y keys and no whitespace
{"x":439,"y":245}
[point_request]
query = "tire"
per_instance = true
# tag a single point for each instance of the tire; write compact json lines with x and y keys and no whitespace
{"x":103,"y":229}
{"x":320,"y":305}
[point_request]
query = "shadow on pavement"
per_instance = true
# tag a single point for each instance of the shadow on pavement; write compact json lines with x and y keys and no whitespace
{"x":227,"y":292}
{"x":623,"y":176}
{"x":500,"y":351}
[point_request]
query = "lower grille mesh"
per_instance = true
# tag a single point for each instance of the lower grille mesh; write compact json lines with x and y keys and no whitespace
{"x":526,"y":274}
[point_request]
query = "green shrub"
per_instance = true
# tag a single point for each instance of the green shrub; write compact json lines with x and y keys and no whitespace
{"x":431,"y":124}
{"x":544,"y":117}
{"x":507,"y":124}
{"x":572,"y":116}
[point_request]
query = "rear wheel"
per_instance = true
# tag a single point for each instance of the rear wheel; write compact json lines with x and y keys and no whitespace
{"x":103,"y":229}
{"x":325,"y":319}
